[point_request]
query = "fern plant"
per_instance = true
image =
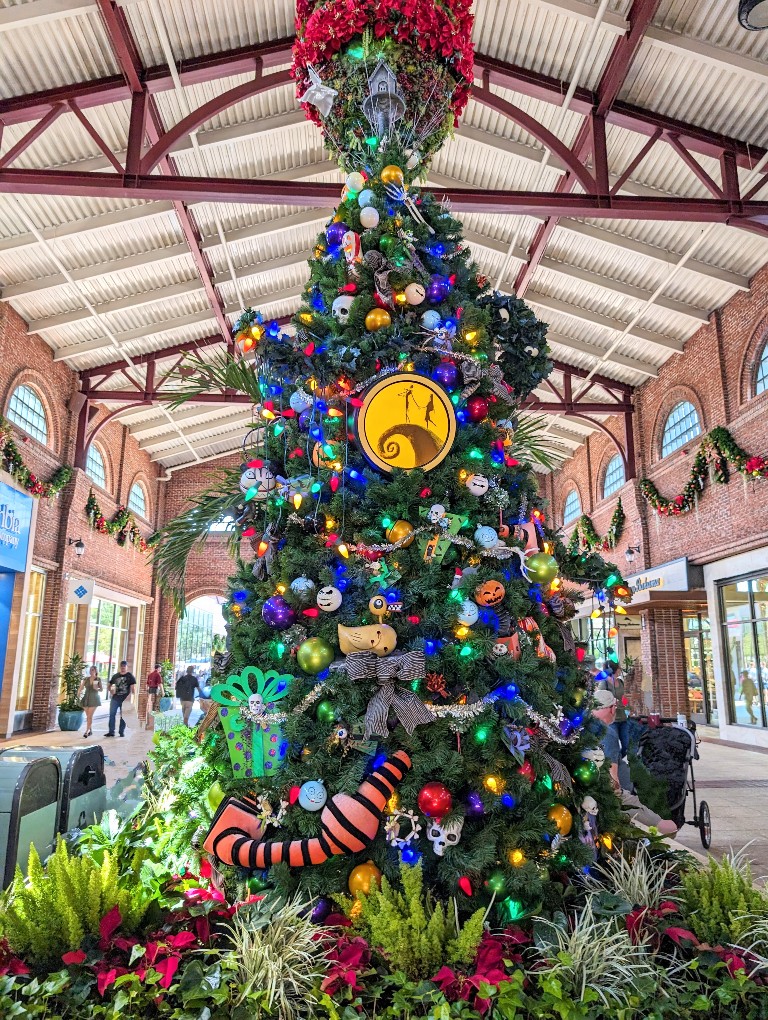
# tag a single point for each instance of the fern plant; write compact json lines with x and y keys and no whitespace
{"x":57,"y":907}
{"x":718,"y":899}
{"x":415,"y":933}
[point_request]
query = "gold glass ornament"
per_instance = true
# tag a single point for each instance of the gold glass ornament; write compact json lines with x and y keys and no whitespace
{"x":377,"y":318}
{"x":562,"y":817}
{"x":363,"y":878}
{"x":399,"y":530}
{"x":392,"y":175}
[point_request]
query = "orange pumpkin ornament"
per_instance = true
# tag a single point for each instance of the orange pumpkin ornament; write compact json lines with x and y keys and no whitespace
{"x":490,"y":593}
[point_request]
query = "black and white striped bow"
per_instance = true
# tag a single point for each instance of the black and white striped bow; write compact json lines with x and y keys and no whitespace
{"x":387,"y":672}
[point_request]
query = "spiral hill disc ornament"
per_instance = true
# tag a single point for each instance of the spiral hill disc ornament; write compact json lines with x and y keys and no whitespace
{"x":406,"y":421}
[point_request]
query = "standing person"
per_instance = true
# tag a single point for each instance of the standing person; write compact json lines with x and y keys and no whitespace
{"x":154,"y":690}
{"x":89,"y":691}
{"x":749,"y":693}
{"x":614,"y":682}
{"x":120,"y":686}
{"x":186,"y":686}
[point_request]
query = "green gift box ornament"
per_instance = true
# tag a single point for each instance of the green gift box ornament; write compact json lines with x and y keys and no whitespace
{"x":246,"y":702}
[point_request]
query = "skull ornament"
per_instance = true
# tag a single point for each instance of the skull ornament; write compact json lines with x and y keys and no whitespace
{"x":444,"y":834}
{"x":436,"y":513}
{"x":596,"y":755}
{"x":341,"y":308}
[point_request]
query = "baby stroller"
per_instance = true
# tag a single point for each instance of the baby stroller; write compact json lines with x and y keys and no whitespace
{"x":668,"y":750}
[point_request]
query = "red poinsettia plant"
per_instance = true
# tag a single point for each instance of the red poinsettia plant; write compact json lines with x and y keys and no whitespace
{"x":497,"y":955}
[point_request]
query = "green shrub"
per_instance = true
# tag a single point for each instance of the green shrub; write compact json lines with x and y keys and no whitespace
{"x":56,"y":908}
{"x":718,"y":899}
{"x":414,"y":933}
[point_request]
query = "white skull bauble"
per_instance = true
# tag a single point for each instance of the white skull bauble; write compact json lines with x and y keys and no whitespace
{"x":329,"y":599}
{"x":532,"y":352}
{"x":468,"y":613}
{"x":486,"y":538}
{"x":589,"y":804}
{"x":256,"y":704}
{"x":596,"y":755}
{"x":436,"y":513}
{"x":341,"y":308}
{"x":261,"y":479}
{"x":444,"y":834}
{"x":477,"y":484}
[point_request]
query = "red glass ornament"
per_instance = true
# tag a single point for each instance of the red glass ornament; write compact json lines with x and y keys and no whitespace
{"x":580,"y":653}
{"x":477,"y":408}
{"x":424,"y":493}
{"x":435,"y":800}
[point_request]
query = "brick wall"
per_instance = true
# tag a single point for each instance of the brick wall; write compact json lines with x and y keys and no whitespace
{"x":28,"y":360}
{"x":716,"y":374}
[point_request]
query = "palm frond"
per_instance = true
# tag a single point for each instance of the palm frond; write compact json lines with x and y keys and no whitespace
{"x":190,"y":529}
{"x":220,"y":372}
{"x":530,"y":441}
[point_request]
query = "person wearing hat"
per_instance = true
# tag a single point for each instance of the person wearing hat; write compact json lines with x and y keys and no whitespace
{"x":603,"y":716}
{"x":610,"y":679}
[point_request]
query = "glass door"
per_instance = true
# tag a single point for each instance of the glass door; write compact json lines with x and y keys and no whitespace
{"x":699,"y":673}
{"x":744,"y":609}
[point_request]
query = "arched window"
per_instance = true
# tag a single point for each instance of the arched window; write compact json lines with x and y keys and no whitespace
{"x":137,"y":500}
{"x":94,"y":466}
{"x":572,"y":508}
{"x":26,"y":410}
{"x":681,"y":425}
{"x":614,"y":476}
{"x":761,"y":379}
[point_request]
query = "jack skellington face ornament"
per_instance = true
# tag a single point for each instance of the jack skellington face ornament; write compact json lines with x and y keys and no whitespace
{"x":442,"y":834}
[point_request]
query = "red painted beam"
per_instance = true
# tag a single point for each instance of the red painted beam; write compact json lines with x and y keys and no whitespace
{"x":32,"y":135}
{"x":321,"y":195}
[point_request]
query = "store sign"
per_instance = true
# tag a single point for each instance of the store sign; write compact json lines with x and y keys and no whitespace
{"x":677,"y":575}
{"x":15,"y":526}
{"x":80,"y":591}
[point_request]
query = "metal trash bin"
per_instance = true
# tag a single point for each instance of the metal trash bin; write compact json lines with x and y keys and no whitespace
{"x":84,"y":784}
{"x":30,"y":794}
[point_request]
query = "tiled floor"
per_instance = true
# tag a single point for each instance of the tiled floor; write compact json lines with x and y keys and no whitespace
{"x":734,"y":782}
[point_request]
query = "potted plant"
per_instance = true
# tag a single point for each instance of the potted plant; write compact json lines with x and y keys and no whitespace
{"x":70,"y":708}
{"x":166,"y":672}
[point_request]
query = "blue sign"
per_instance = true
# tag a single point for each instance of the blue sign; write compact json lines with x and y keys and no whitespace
{"x":15,"y":526}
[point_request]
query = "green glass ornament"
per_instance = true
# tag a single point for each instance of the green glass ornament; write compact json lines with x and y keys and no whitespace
{"x":325,"y":712}
{"x":314,"y":655}
{"x":586,"y":773}
{"x":215,"y":795}
{"x":541,"y":567}
{"x":496,"y":882}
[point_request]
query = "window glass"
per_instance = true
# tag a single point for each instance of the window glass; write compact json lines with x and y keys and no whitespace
{"x":572,"y":508}
{"x":94,"y":466}
{"x":70,"y":628}
{"x":745,"y":643}
{"x":761,"y":382}
{"x":107,"y":636}
{"x":137,"y":500}
{"x":26,"y":410}
{"x":31,"y":641}
{"x":681,"y":425}
{"x":614,"y":476}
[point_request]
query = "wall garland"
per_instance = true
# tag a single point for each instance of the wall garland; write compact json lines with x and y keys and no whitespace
{"x":584,"y":535}
{"x":123,"y":527}
{"x":12,"y":461}
{"x":718,"y":450}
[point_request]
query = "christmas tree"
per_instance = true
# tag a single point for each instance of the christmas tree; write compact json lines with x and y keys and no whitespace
{"x":401,"y":682}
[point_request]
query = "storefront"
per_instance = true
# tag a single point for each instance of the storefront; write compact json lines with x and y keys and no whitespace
{"x":21,"y":595}
{"x":737,"y":589}
{"x":105,"y":628}
{"x":669,"y":602}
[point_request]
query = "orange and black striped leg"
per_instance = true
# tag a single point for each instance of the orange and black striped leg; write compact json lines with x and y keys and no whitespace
{"x":234,"y":831}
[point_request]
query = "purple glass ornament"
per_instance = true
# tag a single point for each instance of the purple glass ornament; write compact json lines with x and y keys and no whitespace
{"x":334,"y":233}
{"x":437,"y":290}
{"x":475,"y":807}
{"x":321,"y":910}
{"x":277,"y":613}
{"x":447,"y":374}
{"x":305,"y":420}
